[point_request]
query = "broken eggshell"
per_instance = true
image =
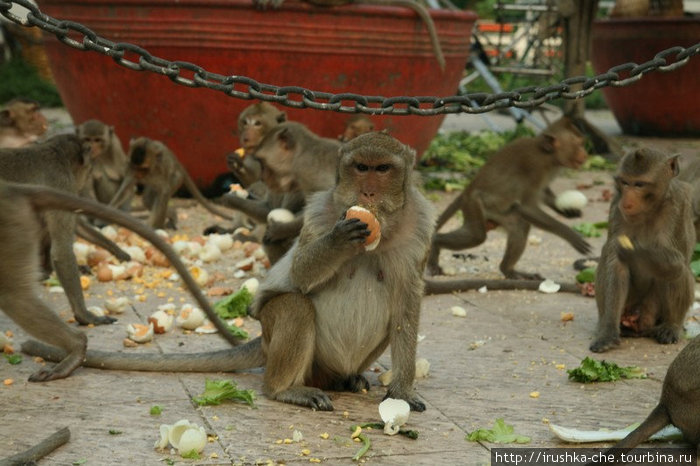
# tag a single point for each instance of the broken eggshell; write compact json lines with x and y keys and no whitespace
{"x":394,"y":413}
{"x":140,"y":333}
{"x":162,"y":321}
{"x":183,"y":435}
{"x":549,"y":286}
{"x":190,"y":317}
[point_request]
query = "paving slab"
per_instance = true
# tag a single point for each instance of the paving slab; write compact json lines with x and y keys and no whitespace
{"x":506,"y":359}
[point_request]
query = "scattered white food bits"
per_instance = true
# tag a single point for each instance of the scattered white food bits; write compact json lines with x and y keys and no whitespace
{"x":571,"y":199}
{"x":422,"y":368}
{"x":483,"y":289}
{"x":549,"y":286}
{"x":458,"y":311}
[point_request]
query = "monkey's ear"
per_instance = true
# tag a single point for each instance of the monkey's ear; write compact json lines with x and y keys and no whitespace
{"x":673,"y":163}
{"x":286,"y":138}
{"x":5,"y":118}
{"x":282,"y":117}
{"x":548,"y":143}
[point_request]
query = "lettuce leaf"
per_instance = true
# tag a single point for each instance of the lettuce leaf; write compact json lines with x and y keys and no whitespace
{"x":501,"y":433}
{"x":216,"y":391}
{"x":592,"y":370}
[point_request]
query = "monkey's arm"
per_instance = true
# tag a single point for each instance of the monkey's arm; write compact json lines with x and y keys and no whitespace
{"x":277,"y":231}
{"x":253,"y":208}
{"x":659,"y":258}
{"x":540,"y":219}
{"x":317,"y":258}
{"x":124,"y":192}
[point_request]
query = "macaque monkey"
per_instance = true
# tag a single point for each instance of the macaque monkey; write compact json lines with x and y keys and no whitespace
{"x":416,"y":6}
{"x":690,"y":173}
{"x":109,"y":164}
{"x":21,"y":123}
{"x":295,"y":163}
{"x":20,"y":237}
{"x":679,"y":404}
{"x":153,"y":165}
{"x":644,"y":284}
{"x":63,"y":163}
{"x":254,"y":122}
{"x":507,"y":192}
{"x":356,"y":125}
{"x":329,"y":308}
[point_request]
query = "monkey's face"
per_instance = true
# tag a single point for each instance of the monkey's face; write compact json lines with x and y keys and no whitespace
{"x":96,"y":144}
{"x":251,"y":131}
{"x":140,"y":160}
{"x":28,"y":119}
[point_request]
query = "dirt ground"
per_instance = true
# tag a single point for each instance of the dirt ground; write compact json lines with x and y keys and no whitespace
{"x":506,"y":359}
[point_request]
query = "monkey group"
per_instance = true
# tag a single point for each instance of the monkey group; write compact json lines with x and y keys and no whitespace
{"x":320,"y":328}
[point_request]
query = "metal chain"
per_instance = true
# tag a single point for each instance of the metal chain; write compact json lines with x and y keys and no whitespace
{"x":241,"y":87}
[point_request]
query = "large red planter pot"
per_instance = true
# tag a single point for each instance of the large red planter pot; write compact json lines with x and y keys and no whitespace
{"x":362,"y":49}
{"x":661,"y":103}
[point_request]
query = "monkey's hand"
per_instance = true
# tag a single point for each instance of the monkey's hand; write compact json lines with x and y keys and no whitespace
{"x":351,"y":231}
{"x":234,"y":162}
{"x":413,"y":401}
{"x":569,"y":212}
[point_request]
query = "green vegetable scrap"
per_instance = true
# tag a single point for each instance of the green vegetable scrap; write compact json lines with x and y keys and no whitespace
{"x":156,"y":410}
{"x":501,"y":433}
{"x":216,"y":391}
{"x":695,"y":261}
{"x":13,"y":358}
{"x":191,"y":455}
{"x":234,"y":305}
{"x":586,"y":275}
{"x":591,"y":370}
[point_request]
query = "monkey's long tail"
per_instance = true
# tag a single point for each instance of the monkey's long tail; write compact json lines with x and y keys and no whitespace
{"x":452,"y":286}
{"x":657,"y":420}
{"x":242,"y":357}
{"x":449,"y":211}
{"x":43,"y":198}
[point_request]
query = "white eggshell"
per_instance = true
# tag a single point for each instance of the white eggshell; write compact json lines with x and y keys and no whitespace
{"x":135,"y":332}
{"x":176,"y":430}
{"x":109,"y":232}
{"x":252,"y":284}
{"x":137,"y":254}
{"x":572,"y":199}
{"x":190,"y":317}
{"x":162,"y":321}
{"x":210,"y":252}
{"x":163,"y":442}
{"x":386,"y":377}
{"x":193,"y":438}
{"x":117,"y":305}
{"x":81,"y":252}
{"x":549,"y":286}
{"x":394,"y":413}
{"x":422,"y":368}
{"x":280,"y":216}
{"x":223,"y":241}
{"x":458,"y":311}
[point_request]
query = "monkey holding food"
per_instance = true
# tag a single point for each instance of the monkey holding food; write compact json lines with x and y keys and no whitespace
{"x":644,"y":284}
{"x":21,"y":123}
{"x":330,"y":307}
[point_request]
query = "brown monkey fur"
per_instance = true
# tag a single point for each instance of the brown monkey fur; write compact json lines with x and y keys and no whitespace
{"x":690,"y":173}
{"x":20,"y":234}
{"x":328,"y":309}
{"x":417,"y":7}
{"x":109,"y":164}
{"x":356,"y":125}
{"x":21,"y":123}
{"x":680,"y":400}
{"x":153,"y":164}
{"x":254,"y":122}
{"x":645,"y":287}
{"x":295,"y":163}
{"x":63,"y":163}
{"x":507,"y":192}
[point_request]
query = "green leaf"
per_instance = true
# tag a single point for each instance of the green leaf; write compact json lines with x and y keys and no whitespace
{"x":79,"y":462}
{"x":237,"y":332}
{"x":695,"y":267}
{"x":216,"y":391}
{"x":592,"y":370}
{"x":587,"y":229}
{"x":501,"y":433}
{"x":52,"y":281}
{"x":115,"y":432}
{"x":586,"y":275}
{"x":234,"y":305}
{"x":156,"y":410}
{"x":13,"y":358}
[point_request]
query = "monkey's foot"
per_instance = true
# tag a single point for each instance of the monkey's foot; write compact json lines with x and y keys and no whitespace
{"x":354,"y":383}
{"x":61,"y":370}
{"x":434,"y":269}
{"x":413,"y":401}
{"x":603,"y":344}
{"x":517,"y":275}
{"x":311,"y":397}
{"x":91,"y":318}
{"x":666,"y":333}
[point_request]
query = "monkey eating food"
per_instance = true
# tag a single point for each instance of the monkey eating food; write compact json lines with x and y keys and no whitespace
{"x":329,"y":308}
{"x":644,"y":285}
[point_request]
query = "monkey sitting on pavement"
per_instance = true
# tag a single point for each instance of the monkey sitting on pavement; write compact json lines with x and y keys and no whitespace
{"x":330,"y":307}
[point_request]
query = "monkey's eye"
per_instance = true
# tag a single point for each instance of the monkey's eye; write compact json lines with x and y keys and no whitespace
{"x":639,"y":184}
{"x":383,"y":168}
{"x":361,"y":167}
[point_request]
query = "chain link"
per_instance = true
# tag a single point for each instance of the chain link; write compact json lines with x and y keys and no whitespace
{"x":136,"y":58}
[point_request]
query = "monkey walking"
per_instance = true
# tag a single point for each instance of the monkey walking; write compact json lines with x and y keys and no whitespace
{"x":329,"y":308}
{"x":644,"y":284}
{"x":507,"y":192}
{"x":153,"y":164}
{"x":20,"y":233}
